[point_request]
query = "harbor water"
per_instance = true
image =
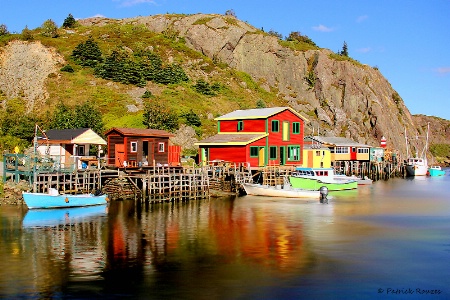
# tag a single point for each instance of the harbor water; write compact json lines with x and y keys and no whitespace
{"x":389,"y":240}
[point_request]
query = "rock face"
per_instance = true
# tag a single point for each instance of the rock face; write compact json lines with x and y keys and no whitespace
{"x":24,"y":67}
{"x":347,"y":98}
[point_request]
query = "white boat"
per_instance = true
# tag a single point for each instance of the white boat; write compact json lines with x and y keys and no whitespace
{"x":417,"y":166}
{"x":285,"y":191}
{"x":359,"y":180}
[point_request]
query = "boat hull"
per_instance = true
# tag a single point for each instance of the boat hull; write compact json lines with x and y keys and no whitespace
{"x":315,"y":184}
{"x":416,"y":170}
{"x":41,"y":200}
{"x":270,"y":191}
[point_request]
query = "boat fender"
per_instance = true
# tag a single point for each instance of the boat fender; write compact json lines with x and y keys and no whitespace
{"x":67,"y":200}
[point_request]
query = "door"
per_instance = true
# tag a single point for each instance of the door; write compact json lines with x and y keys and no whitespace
{"x":282,"y":156}
{"x":353,"y":153}
{"x":261,"y":157}
{"x":119,"y":152}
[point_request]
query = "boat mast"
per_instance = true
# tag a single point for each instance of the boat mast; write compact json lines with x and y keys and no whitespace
{"x":406,"y":141}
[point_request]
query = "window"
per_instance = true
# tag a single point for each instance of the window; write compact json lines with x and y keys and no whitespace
{"x":296,"y":127}
{"x":133,"y":146}
{"x":317,"y":153}
{"x":273,"y":152}
{"x":253,"y":151}
{"x":81,"y":150}
{"x":363,"y":150}
{"x":240,"y":125}
{"x":286,"y":131}
{"x":293,"y":153}
{"x":160,"y":147}
{"x":275,"y":126}
{"x":341,"y":150}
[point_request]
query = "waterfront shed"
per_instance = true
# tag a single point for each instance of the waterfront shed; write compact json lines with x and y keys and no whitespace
{"x":133,"y":147}
{"x":71,"y":147}
{"x":257,"y":137}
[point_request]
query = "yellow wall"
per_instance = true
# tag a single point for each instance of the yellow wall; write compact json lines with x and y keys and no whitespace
{"x":312,"y":160}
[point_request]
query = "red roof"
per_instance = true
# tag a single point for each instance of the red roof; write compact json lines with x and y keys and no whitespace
{"x":139,"y":132}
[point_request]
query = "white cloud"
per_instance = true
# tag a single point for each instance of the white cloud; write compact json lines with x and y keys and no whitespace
{"x":364,"y":50}
{"x":128,"y":3}
{"x":443,"y":70}
{"x":323,"y":28}
{"x":362,"y":18}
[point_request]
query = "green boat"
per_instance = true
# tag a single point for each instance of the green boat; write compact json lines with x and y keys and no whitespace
{"x":315,"y":178}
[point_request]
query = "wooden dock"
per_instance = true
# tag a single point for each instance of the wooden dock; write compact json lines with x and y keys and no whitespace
{"x":167,"y":183}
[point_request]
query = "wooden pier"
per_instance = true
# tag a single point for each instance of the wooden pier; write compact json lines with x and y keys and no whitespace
{"x":167,"y":184}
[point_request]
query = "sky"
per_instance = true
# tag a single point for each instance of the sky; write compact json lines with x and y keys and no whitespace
{"x":409,"y":41}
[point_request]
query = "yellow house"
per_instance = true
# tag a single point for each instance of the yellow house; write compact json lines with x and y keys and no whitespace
{"x":316,"y":156}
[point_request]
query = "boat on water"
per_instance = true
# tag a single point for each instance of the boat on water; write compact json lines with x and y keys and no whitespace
{"x":63,"y":216}
{"x":434,"y":171}
{"x":53,"y":199}
{"x":417,"y":166}
{"x":315,"y":178}
{"x":285,"y":191}
{"x":359,"y":180}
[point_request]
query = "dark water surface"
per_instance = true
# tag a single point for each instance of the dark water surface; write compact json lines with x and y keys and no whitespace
{"x":390,"y":240}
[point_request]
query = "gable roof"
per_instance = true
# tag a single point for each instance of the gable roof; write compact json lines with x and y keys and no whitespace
{"x":224,"y":139}
{"x":140,"y":132}
{"x":257,"y":113}
{"x":337,"y":141}
{"x":74,"y":136}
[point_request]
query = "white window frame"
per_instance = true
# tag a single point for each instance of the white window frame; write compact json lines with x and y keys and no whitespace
{"x":133,"y":147}
{"x":161,"y":147}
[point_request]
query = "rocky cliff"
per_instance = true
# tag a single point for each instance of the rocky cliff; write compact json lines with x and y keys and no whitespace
{"x":347,"y":98}
{"x":339,"y":97}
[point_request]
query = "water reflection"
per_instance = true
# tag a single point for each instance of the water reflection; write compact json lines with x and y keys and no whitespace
{"x":247,"y":247}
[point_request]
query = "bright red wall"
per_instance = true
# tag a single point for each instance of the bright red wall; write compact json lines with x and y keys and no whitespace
{"x":249,"y":126}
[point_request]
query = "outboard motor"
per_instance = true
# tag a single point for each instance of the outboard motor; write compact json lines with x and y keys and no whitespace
{"x":323,"y":194}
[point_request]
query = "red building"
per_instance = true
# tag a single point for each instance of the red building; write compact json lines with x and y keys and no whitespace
{"x":260,"y":137}
{"x":133,"y":147}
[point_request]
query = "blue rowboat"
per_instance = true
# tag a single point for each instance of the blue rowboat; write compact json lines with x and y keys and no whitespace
{"x":55,"y":200}
{"x":63,"y":216}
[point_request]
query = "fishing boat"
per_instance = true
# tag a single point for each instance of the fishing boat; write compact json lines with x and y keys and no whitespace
{"x":315,"y":178}
{"x":285,"y":191}
{"x":64,"y":216}
{"x":53,"y":199}
{"x":436,"y":171}
{"x":417,"y":166}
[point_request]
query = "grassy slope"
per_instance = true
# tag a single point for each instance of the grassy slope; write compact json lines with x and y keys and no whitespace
{"x":238,"y":90}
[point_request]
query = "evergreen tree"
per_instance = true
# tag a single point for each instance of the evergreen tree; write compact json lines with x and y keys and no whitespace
{"x":344,"y":51}
{"x":87,"y":54}
{"x":69,"y":22}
